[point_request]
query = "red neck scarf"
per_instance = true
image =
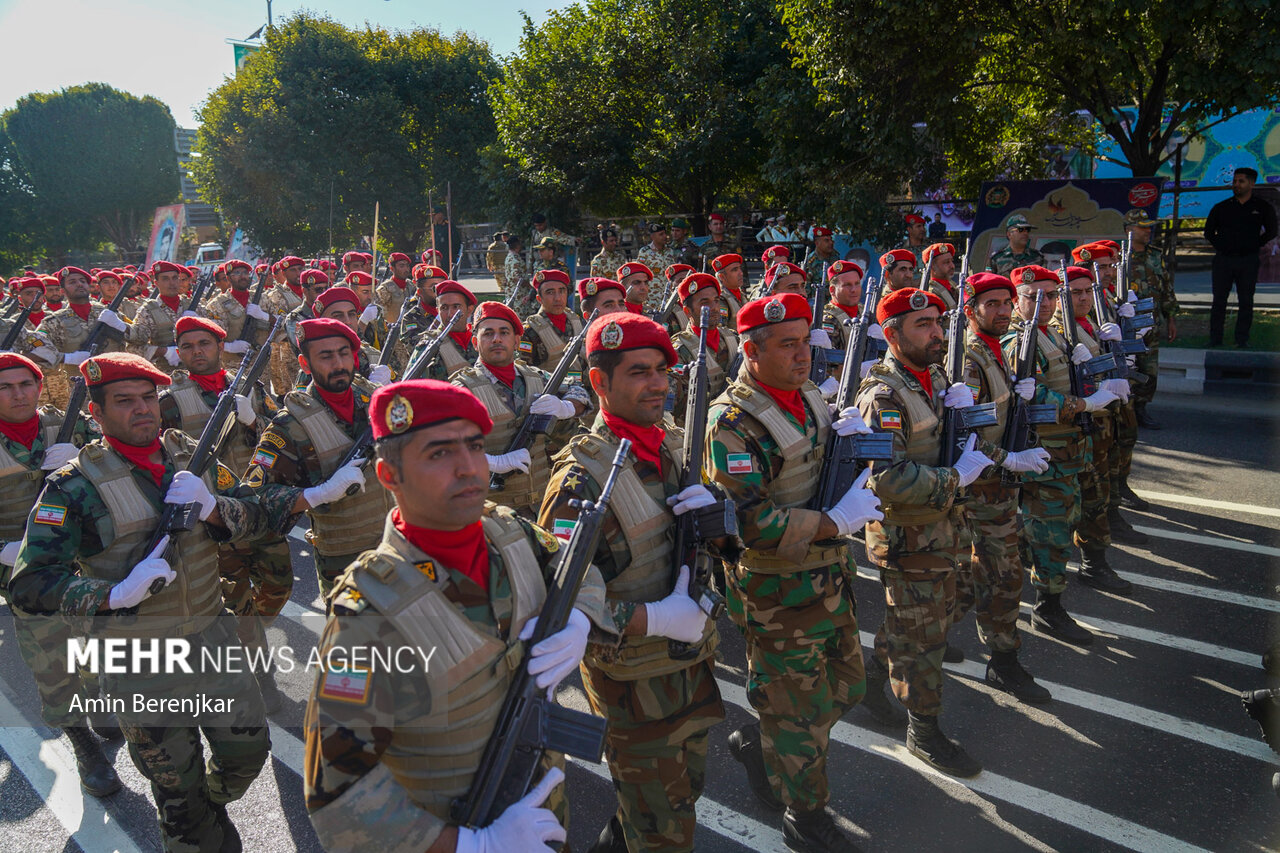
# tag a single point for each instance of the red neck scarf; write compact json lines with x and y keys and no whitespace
{"x":241,"y":296}
{"x":82,"y":311}
{"x":401,"y":283}
{"x":790,"y":402}
{"x":945,"y":285}
{"x":506,"y":375}
{"x":645,"y":441}
{"x":634,"y":307}
{"x":993,"y":345}
{"x":462,"y":339}
{"x":851,"y":310}
{"x":430,"y":310}
{"x":35,"y":317}
{"x":211,"y":383}
{"x":713,"y":336}
{"x":53,"y":306}
{"x":737,"y":294}
{"x":560,"y":321}
{"x":173,"y":303}
{"x":464,"y":550}
{"x":296,"y":288}
{"x":23,"y":433}
{"x":141,"y":456}
{"x":1087,"y":326}
{"x":923,"y":377}
{"x":343,"y":405}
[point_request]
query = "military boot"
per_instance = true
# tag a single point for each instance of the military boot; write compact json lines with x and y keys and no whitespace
{"x":1124,"y":532}
{"x":272,"y":698}
{"x":611,"y":839}
{"x":884,"y":709}
{"x":105,"y":726}
{"x":1129,"y":498}
{"x":1096,"y":572}
{"x":926,"y":741}
{"x":953,"y":654}
{"x":1049,"y":617}
{"x":1004,"y":672}
{"x":744,"y":746}
{"x":97,"y":776}
{"x":231,"y":842}
{"x":1144,"y":417}
{"x":814,"y":831}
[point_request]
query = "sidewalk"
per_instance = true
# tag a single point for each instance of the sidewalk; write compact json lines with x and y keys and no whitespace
{"x":1221,"y":373}
{"x":1195,"y":290}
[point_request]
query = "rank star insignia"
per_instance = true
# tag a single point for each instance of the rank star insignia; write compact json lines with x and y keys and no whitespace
{"x":611,"y":337}
{"x":775,"y":311}
{"x":573,"y":482}
{"x":93,"y":371}
{"x":399,"y":415}
{"x":919,"y":302}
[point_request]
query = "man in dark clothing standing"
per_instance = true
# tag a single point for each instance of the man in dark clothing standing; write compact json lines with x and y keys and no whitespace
{"x":1237,"y":227}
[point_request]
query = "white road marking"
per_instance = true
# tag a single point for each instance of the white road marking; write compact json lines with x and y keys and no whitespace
{"x":1192,"y":500}
{"x":1181,"y":588}
{"x":1212,"y":541}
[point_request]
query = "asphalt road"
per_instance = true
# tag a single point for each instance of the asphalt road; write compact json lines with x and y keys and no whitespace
{"x":1144,"y":747}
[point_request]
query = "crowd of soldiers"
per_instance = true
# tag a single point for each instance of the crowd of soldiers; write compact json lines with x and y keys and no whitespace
{"x":442,"y":449}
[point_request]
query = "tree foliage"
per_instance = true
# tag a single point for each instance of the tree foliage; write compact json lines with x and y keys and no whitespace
{"x":323,"y":111}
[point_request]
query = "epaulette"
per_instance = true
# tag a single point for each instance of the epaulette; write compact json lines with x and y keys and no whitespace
{"x":349,"y":599}
{"x":730,"y":416}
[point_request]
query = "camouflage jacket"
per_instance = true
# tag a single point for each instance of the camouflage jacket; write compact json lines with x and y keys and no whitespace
{"x":813,"y":267}
{"x":833,"y":320}
{"x":31,"y":342}
{"x":67,"y":332}
{"x":494,"y":256}
{"x":1005,"y":261}
{"x":280,"y":300}
{"x":533,"y":351}
{"x":389,"y":296}
{"x":1150,"y":277}
{"x":918,"y":251}
{"x":153,"y":327}
{"x":712,"y":250}
{"x":241,"y":435}
{"x":1044,"y":393}
{"x":605,"y":264}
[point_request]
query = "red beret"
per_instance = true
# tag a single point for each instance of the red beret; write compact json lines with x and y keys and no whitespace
{"x":323,"y":327}
{"x":358,"y":277}
{"x":261,"y":268}
{"x":633,"y":268}
{"x":724,"y":260}
{"x":773,"y":309}
{"x":905,"y":301}
{"x":451,"y":286}
{"x":715,"y":217}
{"x":432,"y":271}
{"x":332,"y":295}
{"x":418,"y":271}
{"x":192,"y":324}
{"x":619,"y":332}
{"x":31,"y":281}
{"x":938,"y":249}
{"x":981,"y":282}
{"x":118,"y":366}
{"x":131,"y":267}
{"x":12,"y":359}
{"x":695,"y":282}
{"x":110,"y":274}
{"x":495,"y":311}
{"x":1093,"y":252}
{"x":193,"y":271}
{"x":167,"y":266}
{"x":291,"y":261}
{"x":237,"y":264}
{"x":541,"y":277}
{"x":366,"y":257}
{"x":913,"y":219}
{"x":781,"y":270}
{"x":892,"y":256}
{"x":142,"y":277}
{"x":429,"y":254}
{"x":1110,"y":244}
{"x":773,"y":254}
{"x":841,"y":267}
{"x":675,"y":270}
{"x":394,"y":257}
{"x":821,"y":231}
{"x":348,"y":257}
{"x":1032,"y":273}
{"x":66,"y":271}
{"x":402,"y":407}
{"x":1079,"y":272}
{"x":310,"y":277}
{"x":589,"y":287}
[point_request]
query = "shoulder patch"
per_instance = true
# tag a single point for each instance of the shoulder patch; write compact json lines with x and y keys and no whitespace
{"x":890,"y":419}
{"x":575,"y":479}
{"x":263,"y":457}
{"x":730,"y":416}
{"x":740,"y":463}
{"x":350,"y":599}
{"x":226,"y":479}
{"x":545,"y":539}
{"x":346,"y":685}
{"x":428,"y":569}
{"x":269,"y":436}
{"x":50,"y":514}
{"x":526,"y":347}
{"x":256,"y":477}
{"x":564,"y":527}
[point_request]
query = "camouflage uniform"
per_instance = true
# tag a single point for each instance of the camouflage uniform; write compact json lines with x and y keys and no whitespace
{"x":152,"y":332}
{"x":814,"y":265}
{"x":718,"y":363}
{"x":281,"y":300}
{"x":656,"y":261}
{"x":67,"y":333}
{"x":1094,"y":528}
{"x":944,"y":290}
{"x":543,"y":344}
{"x":1151,"y":278}
{"x":605,"y":264}
{"x":225,"y":310}
{"x":686,"y":252}
{"x":385,"y":760}
{"x":1006,"y":260}
{"x":36,"y":345}
{"x":660,"y":709}
{"x":918,"y":251}
{"x":833,"y":320}
{"x":390,"y":296}
{"x":712,"y":250}
{"x":791,"y":597}
{"x":494,"y":258}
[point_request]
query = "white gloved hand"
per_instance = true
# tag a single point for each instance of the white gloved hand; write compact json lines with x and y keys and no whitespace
{"x":858,"y":506}
{"x":1126,"y":309}
{"x":1034,"y":459}
{"x":1025,"y":388}
{"x":676,"y":617}
{"x":381,"y":374}
{"x":77,"y":357}
{"x":691,"y":497}
{"x":57,"y":455}
{"x":137,"y":586}
{"x":9,"y":554}
{"x":866,"y":366}
{"x":171,"y":356}
{"x":849,"y":422}
{"x":819,"y":338}
{"x":189,"y":313}
{"x":524,"y":825}
{"x":505,"y":463}
{"x":335,"y":488}
{"x":1119,"y":387}
{"x":1131,"y":361}
{"x":369,"y":314}
{"x":829,"y":387}
{"x":244,"y":410}
{"x":876,"y":332}
{"x":1148,"y":330}
{"x":958,"y":396}
{"x":1098,"y":399}
{"x":256,"y":312}
{"x":47,"y":354}
{"x":187,"y":488}
{"x":236,"y":347}
{"x":113,"y":320}
{"x":549,"y":404}
{"x":972,"y":462}
{"x":1080,"y":354}
{"x":558,"y":655}
{"x":1108,"y":332}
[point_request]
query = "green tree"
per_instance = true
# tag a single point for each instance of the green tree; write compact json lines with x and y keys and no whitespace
{"x":328,"y":115}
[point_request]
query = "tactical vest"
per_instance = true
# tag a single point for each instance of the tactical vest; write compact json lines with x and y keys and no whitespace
{"x":1057,"y":377}
{"x":452,"y":358}
{"x":717,"y":375}
{"x":519,"y":491}
{"x":435,"y":756}
{"x":194,"y":413}
{"x":161,"y":321}
{"x":1090,"y":340}
{"x":232,"y":317}
{"x":550,"y":338}
{"x":648,"y":530}
{"x":942,"y":292}
{"x":348,"y":525}
{"x":924,"y":443}
{"x":21,"y":485}
{"x":731,"y":307}
{"x":998,"y":383}
{"x":191,"y":602}
{"x":801,"y":464}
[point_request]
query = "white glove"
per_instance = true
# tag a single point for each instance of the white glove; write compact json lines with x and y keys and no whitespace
{"x":189,"y":313}
{"x":558,"y":655}
{"x":77,"y":357}
{"x":187,"y":488}
{"x":137,"y":586}
{"x":1080,"y":354}
{"x":1108,"y":332}
{"x":1132,"y":361}
{"x":369,"y":314}
{"x":1126,"y":309}
{"x":972,"y":462}
{"x":171,"y":356}
{"x":244,"y":410}
{"x":57,"y":455}
{"x":381,"y":374}
{"x":524,"y":825}
{"x":850,"y":421}
{"x":335,"y":488}
{"x":1098,"y":399}
{"x":256,"y":312}
{"x":113,"y":320}
{"x":549,"y":404}
{"x":1035,"y":460}
{"x":9,"y":554}
{"x":829,"y":387}
{"x":876,"y":332}
{"x":958,"y":396}
{"x":819,"y":338}
{"x":691,"y":497}
{"x":1119,"y":387}
{"x":866,"y":366}
{"x":858,"y":506}
{"x":676,"y":617}
{"x":236,"y":347}
{"x":1025,"y":388}
{"x":1148,"y":330}
{"x":505,"y":463}
{"x":48,"y":354}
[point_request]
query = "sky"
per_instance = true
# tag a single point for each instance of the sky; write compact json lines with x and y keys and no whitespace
{"x":176,"y":50}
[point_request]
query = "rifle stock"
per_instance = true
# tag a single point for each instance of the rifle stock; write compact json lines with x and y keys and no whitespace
{"x":12,"y":336}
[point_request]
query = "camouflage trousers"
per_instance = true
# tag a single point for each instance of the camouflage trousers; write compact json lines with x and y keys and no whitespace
{"x":1148,"y":363}
{"x":1094,"y":529}
{"x":42,"y":640}
{"x":1126,"y":440}
{"x":920,"y":598}
{"x":1050,"y":510}
{"x":284,"y":367}
{"x":989,"y":578}
{"x":56,"y":389}
{"x":804,"y":668}
{"x":256,"y":583}
{"x":328,"y":568}
{"x":656,"y":747}
{"x":167,"y":748}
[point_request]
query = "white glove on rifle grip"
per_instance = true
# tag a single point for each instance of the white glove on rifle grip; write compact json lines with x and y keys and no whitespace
{"x":1126,"y":310}
{"x":256,"y":313}
{"x":1108,"y":332}
{"x":691,"y":497}
{"x":136,"y":588}
{"x":858,"y":506}
{"x":958,"y":396}
{"x":187,"y":488}
{"x":676,"y":617}
{"x":112,"y":319}
{"x":558,"y":655}
{"x":57,"y":455}
{"x":1025,"y":388}
{"x":505,"y":463}
{"x":1099,"y":399}
{"x":1034,"y":460}
{"x":244,"y":410}
{"x":820,"y":338}
{"x":849,"y":422}
{"x":524,"y":825}
{"x":1080,"y":354}
{"x":335,"y":488}
{"x":972,"y":462}
{"x":76,"y":358}
{"x":9,"y":554}
{"x":171,"y":356}
{"x":549,"y":404}
{"x":829,"y":387}
{"x":369,"y":314}
{"x":380,"y":374}
{"x":236,"y":347}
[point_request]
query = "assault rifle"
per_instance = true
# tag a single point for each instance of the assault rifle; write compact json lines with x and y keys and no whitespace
{"x":958,"y":423}
{"x":250,"y":323}
{"x":1019,"y":432}
{"x":19,"y":322}
{"x":529,"y":724}
{"x":819,"y":361}
{"x":197,"y":292}
{"x":535,"y":424}
{"x":393,"y":330}
{"x":1082,"y":384}
{"x":78,"y":389}
{"x":1144,"y":309}
{"x":1104,"y":311}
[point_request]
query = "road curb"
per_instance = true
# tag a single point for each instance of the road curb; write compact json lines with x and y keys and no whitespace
{"x":1220,"y":372}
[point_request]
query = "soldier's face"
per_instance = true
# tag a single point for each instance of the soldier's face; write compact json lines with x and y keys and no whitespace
{"x":28,"y":295}
{"x":990,"y":312}
{"x":901,"y":275}
{"x":345,"y":313}
{"x":292,"y":274}
{"x":1019,"y":238}
{"x":944,"y":265}
{"x":495,"y":340}
{"x":782,"y":360}
{"x":918,"y":341}
{"x":19,"y":395}
{"x":364,"y":292}
{"x":659,"y":239}
{"x":547,"y":254}
{"x":331,"y":363}
{"x":637,"y":286}
{"x":240,"y":278}
{"x":311,"y":291}
{"x":76,"y":287}
{"x":53,"y":293}
{"x":130,"y":411}
{"x":108,"y":287}
{"x":442,"y":481}
{"x":846,"y":288}
{"x":200,"y":352}
{"x":731,"y":277}
{"x":553,"y":296}
{"x":611,"y":242}
{"x":450,"y":304}
{"x":609,"y":302}
{"x":678,"y":234}
{"x":707,"y":296}
{"x":1107,"y":273}
{"x":792,"y":283}
{"x":1081,"y":296}
{"x":427,"y":291}
{"x":400,"y":269}
{"x":824,"y":244}
{"x":1141,"y":236}
{"x":169,"y":284}
{"x":716,"y":226}
{"x":1027,"y":302}
{"x":637,"y":389}
{"x":916,"y":231}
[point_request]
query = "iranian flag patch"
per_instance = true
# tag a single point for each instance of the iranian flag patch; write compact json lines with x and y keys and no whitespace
{"x":346,"y":685}
{"x":563,"y":527}
{"x":740,"y":463}
{"x":49,"y":514}
{"x":890,"y":419}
